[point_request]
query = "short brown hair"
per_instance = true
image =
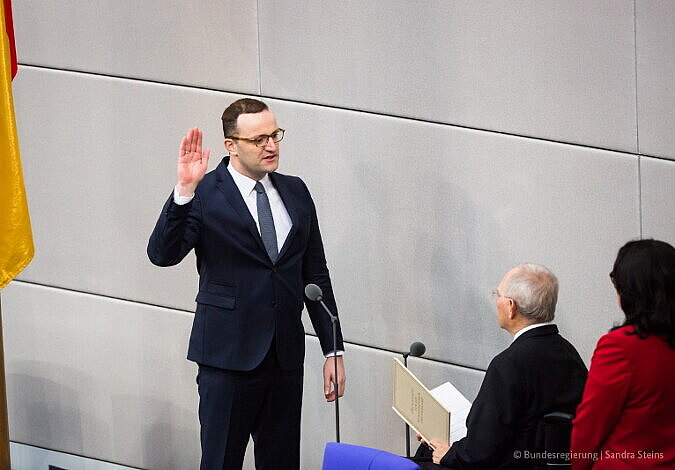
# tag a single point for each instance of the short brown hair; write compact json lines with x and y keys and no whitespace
{"x":232,"y":112}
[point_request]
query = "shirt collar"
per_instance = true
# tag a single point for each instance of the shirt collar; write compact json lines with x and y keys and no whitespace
{"x":528,"y":328}
{"x":246,"y":184}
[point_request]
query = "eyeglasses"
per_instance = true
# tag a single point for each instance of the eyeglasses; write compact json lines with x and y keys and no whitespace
{"x":261,"y":140}
{"x":496,"y":294}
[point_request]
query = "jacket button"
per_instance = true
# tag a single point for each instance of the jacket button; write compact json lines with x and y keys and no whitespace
{"x":274,"y":304}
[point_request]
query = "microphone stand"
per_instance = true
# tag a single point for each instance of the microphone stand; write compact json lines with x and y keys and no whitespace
{"x":334,"y":320}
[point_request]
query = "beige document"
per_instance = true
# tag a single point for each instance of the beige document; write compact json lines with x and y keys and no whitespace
{"x":418,"y":407}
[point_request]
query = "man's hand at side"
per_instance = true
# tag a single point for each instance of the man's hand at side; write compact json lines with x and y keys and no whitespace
{"x":192,"y":162}
{"x":328,"y":377}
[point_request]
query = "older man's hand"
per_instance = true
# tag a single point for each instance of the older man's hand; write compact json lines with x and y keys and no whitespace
{"x":440,"y":449}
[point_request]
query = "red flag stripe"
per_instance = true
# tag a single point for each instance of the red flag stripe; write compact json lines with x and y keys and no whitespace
{"x":9,"y":27}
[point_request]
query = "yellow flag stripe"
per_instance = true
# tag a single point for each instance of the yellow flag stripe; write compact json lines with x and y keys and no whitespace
{"x":16,"y":238}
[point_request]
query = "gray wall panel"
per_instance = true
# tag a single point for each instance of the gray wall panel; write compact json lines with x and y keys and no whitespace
{"x":99,"y":161}
{"x":561,"y":70}
{"x":437,"y":221}
{"x":419,"y":231}
{"x":108,"y":379}
{"x":655,"y":21}
{"x":207,"y":43}
{"x":658,"y":199}
{"x":99,"y":377}
{"x":30,"y":458}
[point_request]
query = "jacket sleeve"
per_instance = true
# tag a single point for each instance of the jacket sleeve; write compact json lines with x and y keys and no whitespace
{"x":315,"y":271}
{"x":602,"y":403}
{"x":176,"y":232}
{"x":491,"y":422}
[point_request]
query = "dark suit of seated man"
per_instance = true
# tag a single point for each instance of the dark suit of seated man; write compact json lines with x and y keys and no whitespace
{"x":540,"y":372}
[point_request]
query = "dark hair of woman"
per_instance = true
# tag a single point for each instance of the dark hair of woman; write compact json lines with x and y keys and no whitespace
{"x":644,"y":277}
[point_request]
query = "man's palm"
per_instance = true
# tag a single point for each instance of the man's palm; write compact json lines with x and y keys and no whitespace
{"x":192,"y":161}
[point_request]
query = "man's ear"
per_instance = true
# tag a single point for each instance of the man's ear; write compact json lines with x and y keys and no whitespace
{"x":513,"y":309}
{"x":230,"y":146}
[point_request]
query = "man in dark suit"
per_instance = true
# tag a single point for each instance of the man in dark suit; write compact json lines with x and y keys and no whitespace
{"x":257,"y":241}
{"x":540,"y":372}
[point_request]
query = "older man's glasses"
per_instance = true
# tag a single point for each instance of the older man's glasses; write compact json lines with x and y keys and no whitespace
{"x":496,"y":294}
{"x":261,"y":140}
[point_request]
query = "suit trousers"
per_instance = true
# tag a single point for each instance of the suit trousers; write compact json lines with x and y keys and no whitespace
{"x":264,"y":403}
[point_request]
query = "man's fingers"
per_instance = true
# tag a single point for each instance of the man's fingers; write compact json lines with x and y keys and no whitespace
{"x":193,"y":141}
{"x":326,"y":383}
{"x":183,"y":146}
{"x":190,"y":145}
{"x":199,"y":140}
{"x":189,"y":136}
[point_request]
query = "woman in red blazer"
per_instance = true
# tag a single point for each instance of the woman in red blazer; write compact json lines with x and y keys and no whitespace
{"x":626,"y":419}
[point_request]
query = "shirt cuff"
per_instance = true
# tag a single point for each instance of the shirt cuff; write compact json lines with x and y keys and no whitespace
{"x":338,"y":353}
{"x":181,"y":200}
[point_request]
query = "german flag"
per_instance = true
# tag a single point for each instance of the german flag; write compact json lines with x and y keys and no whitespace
{"x":16,"y":238}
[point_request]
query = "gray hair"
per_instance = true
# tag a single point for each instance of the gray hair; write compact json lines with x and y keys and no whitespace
{"x":534,"y":288}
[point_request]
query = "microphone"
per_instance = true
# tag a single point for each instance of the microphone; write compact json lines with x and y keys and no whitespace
{"x":314,"y":293}
{"x":417,"y":349}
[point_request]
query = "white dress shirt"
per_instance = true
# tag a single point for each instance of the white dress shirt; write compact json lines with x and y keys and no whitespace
{"x":528,"y":328}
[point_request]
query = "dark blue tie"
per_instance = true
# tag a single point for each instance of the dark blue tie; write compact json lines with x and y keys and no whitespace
{"x":266,"y":222}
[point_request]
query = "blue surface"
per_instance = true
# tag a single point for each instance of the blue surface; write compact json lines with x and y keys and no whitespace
{"x":339,"y":456}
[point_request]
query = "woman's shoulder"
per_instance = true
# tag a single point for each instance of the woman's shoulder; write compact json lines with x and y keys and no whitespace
{"x":628,"y":337}
{"x":623,"y":332}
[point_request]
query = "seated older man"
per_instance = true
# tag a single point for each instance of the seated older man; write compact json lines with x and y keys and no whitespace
{"x":540,"y":372}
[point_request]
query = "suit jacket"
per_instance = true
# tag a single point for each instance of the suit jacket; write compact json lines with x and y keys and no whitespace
{"x":540,"y":372}
{"x":627,"y":416}
{"x":245,"y":301}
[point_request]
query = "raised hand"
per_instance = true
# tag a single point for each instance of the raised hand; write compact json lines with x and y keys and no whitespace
{"x":192,"y":162}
